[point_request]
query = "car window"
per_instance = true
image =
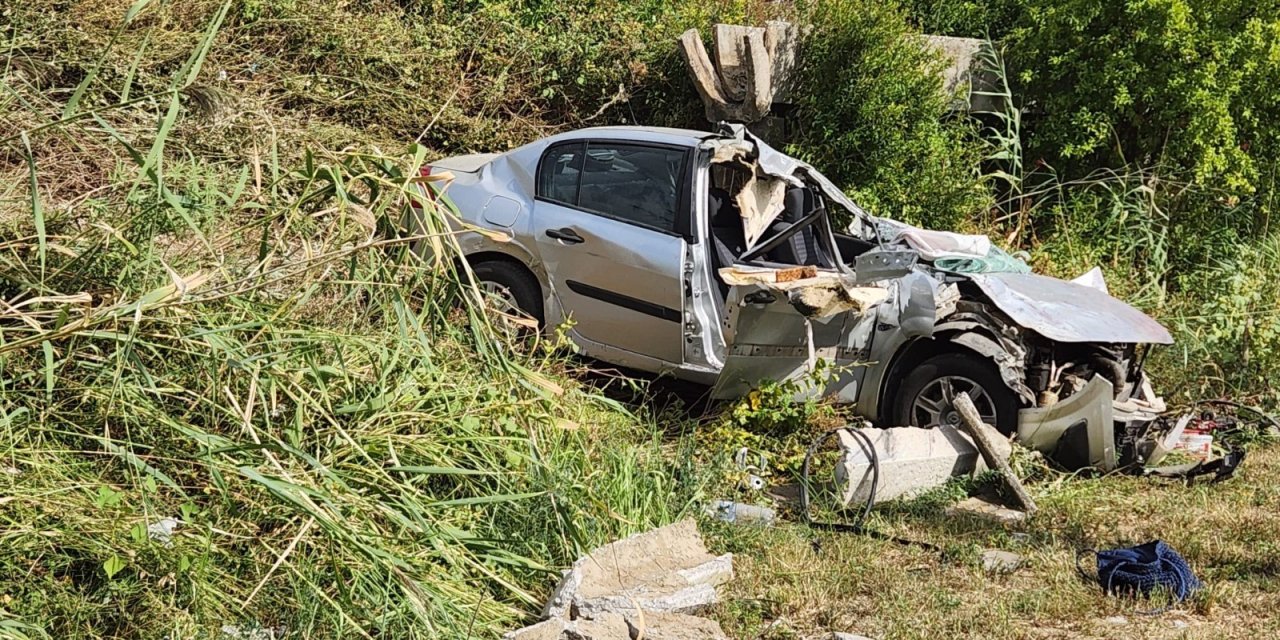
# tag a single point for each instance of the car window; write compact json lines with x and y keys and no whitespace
{"x":635,"y":183}
{"x":558,"y":173}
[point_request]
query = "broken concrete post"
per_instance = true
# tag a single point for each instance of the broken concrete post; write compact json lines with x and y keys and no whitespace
{"x":753,"y":69}
{"x":962,"y":75}
{"x":983,"y":437}
{"x":911,"y":460}
{"x":665,"y":570}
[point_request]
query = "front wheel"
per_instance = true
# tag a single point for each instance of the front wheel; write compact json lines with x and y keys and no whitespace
{"x":925,"y":397}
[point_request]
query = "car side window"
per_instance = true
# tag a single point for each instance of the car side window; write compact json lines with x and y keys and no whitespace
{"x":634,"y":183}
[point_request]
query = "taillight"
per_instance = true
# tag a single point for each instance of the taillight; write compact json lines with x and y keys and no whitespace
{"x":426,"y":188}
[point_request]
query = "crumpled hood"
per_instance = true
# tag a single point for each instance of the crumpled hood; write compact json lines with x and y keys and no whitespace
{"x":1067,"y":311}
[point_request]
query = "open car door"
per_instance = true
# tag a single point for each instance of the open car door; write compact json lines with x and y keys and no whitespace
{"x":799,"y":324}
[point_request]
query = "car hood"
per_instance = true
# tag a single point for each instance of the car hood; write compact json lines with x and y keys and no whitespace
{"x":1068,"y":311}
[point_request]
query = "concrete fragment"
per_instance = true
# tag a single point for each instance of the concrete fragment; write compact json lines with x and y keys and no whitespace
{"x":962,"y":73}
{"x":989,"y":511}
{"x":616,"y":626}
{"x":997,"y":561}
{"x":656,"y":625}
{"x":912,"y":461}
{"x":839,"y":635}
{"x":606,"y":626}
{"x":753,"y":68}
{"x":553,"y":629}
{"x":666,"y":570}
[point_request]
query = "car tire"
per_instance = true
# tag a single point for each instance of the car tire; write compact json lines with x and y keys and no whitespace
{"x":524,"y":288}
{"x":958,"y":371}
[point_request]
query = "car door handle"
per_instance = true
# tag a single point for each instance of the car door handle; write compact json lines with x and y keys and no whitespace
{"x":565,"y":234}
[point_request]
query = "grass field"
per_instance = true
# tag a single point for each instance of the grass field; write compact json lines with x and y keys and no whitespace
{"x":210,"y":317}
{"x":1229,"y":533}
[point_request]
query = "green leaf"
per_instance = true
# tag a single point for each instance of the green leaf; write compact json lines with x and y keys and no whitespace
{"x":49,"y":377}
{"x":37,"y":210}
{"x":107,"y":497}
{"x":112,"y":566}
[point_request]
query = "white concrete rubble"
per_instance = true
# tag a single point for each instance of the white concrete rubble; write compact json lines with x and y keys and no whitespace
{"x":665,"y":570}
{"x":984,"y":510}
{"x":998,"y":561}
{"x":912,"y":461}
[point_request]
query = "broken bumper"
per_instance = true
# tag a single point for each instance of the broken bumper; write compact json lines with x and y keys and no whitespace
{"x":1079,"y":431}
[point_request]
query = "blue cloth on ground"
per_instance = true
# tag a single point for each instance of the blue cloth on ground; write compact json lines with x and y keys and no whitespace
{"x":1140,"y":569}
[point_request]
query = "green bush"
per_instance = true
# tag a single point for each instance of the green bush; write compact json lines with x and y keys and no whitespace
{"x":964,"y":18}
{"x":871,"y":116}
{"x":1184,"y":85}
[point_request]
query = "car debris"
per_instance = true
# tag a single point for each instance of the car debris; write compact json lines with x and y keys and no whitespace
{"x":741,"y":513}
{"x":713,"y":258}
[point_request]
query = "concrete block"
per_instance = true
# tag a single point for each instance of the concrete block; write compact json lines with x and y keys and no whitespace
{"x":912,"y":461}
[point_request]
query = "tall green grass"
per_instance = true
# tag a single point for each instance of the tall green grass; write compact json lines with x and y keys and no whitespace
{"x":251,"y":348}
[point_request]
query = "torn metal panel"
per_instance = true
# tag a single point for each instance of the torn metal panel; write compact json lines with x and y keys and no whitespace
{"x":1069,"y":312}
{"x":884,"y":264}
{"x":917,"y":305}
{"x":776,"y":327}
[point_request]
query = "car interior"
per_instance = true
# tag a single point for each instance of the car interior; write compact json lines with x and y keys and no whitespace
{"x":794,"y":239}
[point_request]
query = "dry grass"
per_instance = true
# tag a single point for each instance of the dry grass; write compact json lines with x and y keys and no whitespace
{"x":1228,"y":532}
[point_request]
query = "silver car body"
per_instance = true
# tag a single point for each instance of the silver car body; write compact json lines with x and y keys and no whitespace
{"x":668,"y":296}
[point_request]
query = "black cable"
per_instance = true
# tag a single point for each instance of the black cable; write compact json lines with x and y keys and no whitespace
{"x":857,"y":526}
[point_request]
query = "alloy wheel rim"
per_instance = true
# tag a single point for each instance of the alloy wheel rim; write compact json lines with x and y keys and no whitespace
{"x":934,"y":405}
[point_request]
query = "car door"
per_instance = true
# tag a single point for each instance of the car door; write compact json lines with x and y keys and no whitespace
{"x":606,"y":220}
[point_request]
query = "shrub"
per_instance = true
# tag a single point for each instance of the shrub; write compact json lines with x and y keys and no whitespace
{"x":871,"y":114}
{"x":1186,"y":85}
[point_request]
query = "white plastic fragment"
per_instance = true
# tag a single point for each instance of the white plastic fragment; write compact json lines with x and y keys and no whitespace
{"x":162,"y":531}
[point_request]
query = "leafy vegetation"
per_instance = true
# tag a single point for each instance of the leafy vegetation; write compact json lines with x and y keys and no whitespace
{"x":871,"y":115}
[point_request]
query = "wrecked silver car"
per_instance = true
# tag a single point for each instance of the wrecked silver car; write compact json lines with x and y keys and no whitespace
{"x":714,"y":258}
